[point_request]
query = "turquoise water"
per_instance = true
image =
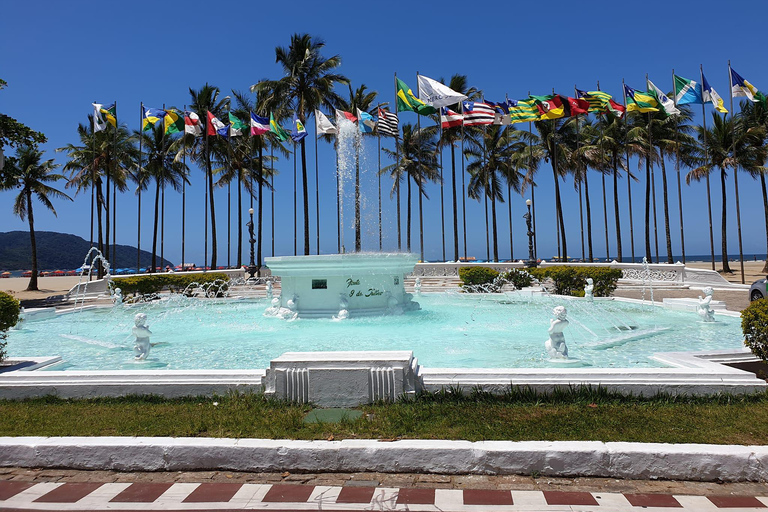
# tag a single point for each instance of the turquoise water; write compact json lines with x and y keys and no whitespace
{"x":451,"y":330}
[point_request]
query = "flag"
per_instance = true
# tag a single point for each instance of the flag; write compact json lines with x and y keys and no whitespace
{"x":406,"y":101}
{"x":709,"y":95}
{"x":259,"y":125}
{"x":323,"y":124}
{"x":640,"y":101}
{"x":342,"y":115}
{"x":500,"y":112}
{"x":578,"y":106}
{"x":216,"y":127}
{"x":667,"y":105}
{"x":598,"y":100}
{"x":450,"y":119}
{"x":740,"y":87}
{"x":236,"y":125}
{"x":367,"y":123}
{"x":277,"y":129}
{"x":616,"y":109}
{"x":150,"y":117}
{"x":550,"y":106}
{"x":523,"y":111}
{"x":477,"y":113}
{"x":99,"y":119}
{"x":687,"y":92}
{"x":299,"y":132}
{"x":436,"y":94}
{"x":174,"y":122}
{"x":387,"y":124}
{"x":192,"y":124}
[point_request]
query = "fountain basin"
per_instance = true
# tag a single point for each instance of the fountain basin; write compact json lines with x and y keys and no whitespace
{"x":362,"y":284}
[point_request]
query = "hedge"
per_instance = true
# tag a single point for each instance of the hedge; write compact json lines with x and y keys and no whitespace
{"x":567,"y":280}
{"x":147,"y":285}
{"x":473,"y":276}
{"x":754,"y":325}
{"x":9,"y":316}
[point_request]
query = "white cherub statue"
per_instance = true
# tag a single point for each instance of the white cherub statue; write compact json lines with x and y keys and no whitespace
{"x":142,"y":333}
{"x":118,"y":296}
{"x":555,"y":345}
{"x":703,"y":309}
{"x":589,"y":290}
{"x":269,"y":289}
{"x":417,"y":286}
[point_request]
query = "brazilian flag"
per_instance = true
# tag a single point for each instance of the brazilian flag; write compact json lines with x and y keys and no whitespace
{"x":406,"y":101}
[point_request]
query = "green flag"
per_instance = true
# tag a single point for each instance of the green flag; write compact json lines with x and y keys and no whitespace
{"x":277,"y":129}
{"x":406,"y":101}
{"x":174,"y":122}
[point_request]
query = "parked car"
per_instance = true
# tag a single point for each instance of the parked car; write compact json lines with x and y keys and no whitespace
{"x":757,"y":290}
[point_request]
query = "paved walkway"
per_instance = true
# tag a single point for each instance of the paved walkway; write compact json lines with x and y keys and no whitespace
{"x":69,"y":490}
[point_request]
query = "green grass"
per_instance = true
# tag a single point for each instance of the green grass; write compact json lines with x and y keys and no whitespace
{"x":516,"y":416}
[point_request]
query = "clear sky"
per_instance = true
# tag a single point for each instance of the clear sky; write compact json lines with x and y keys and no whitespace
{"x":59,"y":57}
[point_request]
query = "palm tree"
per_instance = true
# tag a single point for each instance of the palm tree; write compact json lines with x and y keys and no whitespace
{"x":450,"y":137}
{"x":363,"y":100}
{"x":590,"y":152}
{"x":755,"y":117}
{"x":31,"y":175}
{"x":205,"y":100}
{"x":100,"y":155}
{"x":164,"y":167}
{"x":307,"y":85}
{"x":729,"y":144}
{"x":489,"y":151}
{"x":415,"y":159}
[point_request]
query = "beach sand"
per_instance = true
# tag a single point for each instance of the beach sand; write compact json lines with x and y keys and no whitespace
{"x":48,"y":286}
{"x":753,"y":270}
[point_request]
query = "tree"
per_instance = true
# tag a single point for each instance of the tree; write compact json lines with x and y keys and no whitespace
{"x":205,"y":100}
{"x":164,"y":167}
{"x":31,"y":175}
{"x":14,"y":133}
{"x":306,"y":85}
{"x":590,"y":152}
{"x":415,"y":160}
{"x":489,"y":151}
{"x":755,"y":117}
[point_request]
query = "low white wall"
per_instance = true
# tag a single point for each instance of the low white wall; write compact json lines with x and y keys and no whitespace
{"x":559,"y":458}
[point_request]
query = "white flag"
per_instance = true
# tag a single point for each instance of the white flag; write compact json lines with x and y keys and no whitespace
{"x":436,"y":94}
{"x":323,"y":124}
{"x":99,"y":121}
{"x":667,"y":104}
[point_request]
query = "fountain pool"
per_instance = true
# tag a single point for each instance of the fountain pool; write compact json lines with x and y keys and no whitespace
{"x":452,"y":330}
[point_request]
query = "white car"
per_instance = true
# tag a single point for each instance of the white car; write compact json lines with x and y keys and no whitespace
{"x":757,"y":290}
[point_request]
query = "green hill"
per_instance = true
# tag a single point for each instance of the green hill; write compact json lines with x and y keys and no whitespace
{"x":60,"y":251}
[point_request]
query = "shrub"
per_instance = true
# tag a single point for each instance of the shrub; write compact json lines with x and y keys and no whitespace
{"x":571,"y":280}
{"x":477,"y":275}
{"x":9,"y":316}
{"x":518,"y":278}
{"x":754,"y":325}
{"x":147,"y":285}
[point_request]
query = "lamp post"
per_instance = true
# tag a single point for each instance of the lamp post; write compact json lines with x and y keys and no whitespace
{"x":531,"y":260}
{"x":252,"y":268}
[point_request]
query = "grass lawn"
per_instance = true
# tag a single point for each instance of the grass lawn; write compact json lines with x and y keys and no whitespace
{"x":517,"y":416}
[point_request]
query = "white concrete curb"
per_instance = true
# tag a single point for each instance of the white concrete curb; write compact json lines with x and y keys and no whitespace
{"x":559,"y":458}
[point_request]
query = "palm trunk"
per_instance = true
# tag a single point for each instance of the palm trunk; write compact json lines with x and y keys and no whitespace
{"x":305,"y":188}
{"x":666,"y":211}
{"x":616,"y":207}
{"x":154,"y":236}
{"x":99,"y":206}
{"x":495,"y":237}
{"x":487,"y":229}
{"x":358,"y":233}
{"x":589,"y":218}
{"x":399,"y":237}
{"x":33,"y":279}
{"x":213,"y":212}
{"x":648,"y":255}
{"x":561,"y":221}
{"x":421,"y":227}
{"x":455,"y":204}
{"x":765,"y":211}
{"x":240,"y":220}
{"x":260,"y":206}
{"x":408,"y":216}
{"x":724,"y":230}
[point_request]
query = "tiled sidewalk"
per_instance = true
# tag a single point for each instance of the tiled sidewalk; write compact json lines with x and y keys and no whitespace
{"x":156,"y":496}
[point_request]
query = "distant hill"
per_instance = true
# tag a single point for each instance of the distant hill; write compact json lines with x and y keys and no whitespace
{"x":60,"y":251}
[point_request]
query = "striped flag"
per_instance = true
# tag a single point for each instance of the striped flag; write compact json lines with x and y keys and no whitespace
{"x":522,"y":111}
{"x":259,"y":125}
{"x":387,"y":124}
{"x":449,"y":118}
{"x":598,"y":100}
{"x":477,"y":113}
{"x":192,"y":124}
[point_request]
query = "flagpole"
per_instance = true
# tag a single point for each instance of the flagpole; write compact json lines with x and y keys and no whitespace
{"x":272,"y":193}
{"x":706,"y":158}
{"x":509,"y":186}
{"x":93,"y":171}
{"x":295,"y":214}
{"x":183,"y":190}
{"x":418,"y":186}
{"x":736,"y":177}
{"x":114,"y":197}
{"x":207,"y":127}
{"x":677,"y":163}
{"x":107,"y":171}
{"x":442,"y":197}
{"x":162,"y":205}
{"x":629,"y":180}
{"x":378,"y":134}
{"x":653,"y":180}
{"x":533,"y":187}
{"x":229,"y":197}
{"x":139,"y":180}
{"x":463,"y":188}
{"x":338,"y":192}
{"x":317,"y":191}
{"x":578,"y":143}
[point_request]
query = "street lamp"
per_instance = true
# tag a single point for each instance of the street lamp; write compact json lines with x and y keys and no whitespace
{"x":252,"y":268}
{"x":531,"y":260}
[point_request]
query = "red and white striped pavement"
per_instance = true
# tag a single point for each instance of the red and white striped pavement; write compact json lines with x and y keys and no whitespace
{"x":19,"y":495}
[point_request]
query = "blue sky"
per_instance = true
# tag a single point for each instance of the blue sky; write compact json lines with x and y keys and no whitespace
{"x":59,"y":57}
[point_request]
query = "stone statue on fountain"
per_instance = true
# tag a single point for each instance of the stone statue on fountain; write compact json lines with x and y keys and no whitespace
{"x":142,"y":333}
{"x":589,"y":290}
{"x":555,"y":345}
{"x":703,"y":309}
